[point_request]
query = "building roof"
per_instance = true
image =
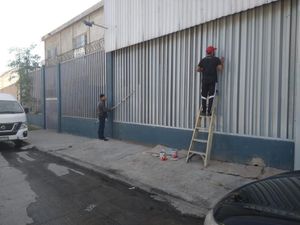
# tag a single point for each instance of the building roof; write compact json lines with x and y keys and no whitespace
{"x":75,"y":19}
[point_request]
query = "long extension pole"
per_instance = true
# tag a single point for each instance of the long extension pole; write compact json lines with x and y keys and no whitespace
{"x":123,"y":100}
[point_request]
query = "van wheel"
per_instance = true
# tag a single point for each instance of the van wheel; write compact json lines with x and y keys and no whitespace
{"x":18,"y":143}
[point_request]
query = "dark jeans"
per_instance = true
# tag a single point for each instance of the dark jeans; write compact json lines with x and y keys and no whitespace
{"x":208,"y":93}
{"x":101,"y":127}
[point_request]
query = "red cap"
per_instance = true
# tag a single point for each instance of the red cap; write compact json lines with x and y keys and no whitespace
{"x":210,"y":49}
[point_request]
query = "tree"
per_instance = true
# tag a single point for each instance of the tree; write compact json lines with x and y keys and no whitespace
{"x":23,"y":63}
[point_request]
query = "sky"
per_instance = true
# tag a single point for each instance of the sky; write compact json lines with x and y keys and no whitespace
{"x":24,"y":22}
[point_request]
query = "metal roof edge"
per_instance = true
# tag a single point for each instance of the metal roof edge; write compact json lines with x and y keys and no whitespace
{"x":109,"y":48}
{"x":75,"y":19}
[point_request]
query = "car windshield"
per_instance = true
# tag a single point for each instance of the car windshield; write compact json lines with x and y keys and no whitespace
{"x":10,"y":107}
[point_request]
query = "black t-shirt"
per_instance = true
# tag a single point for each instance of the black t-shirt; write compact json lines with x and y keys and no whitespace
{"x":209,"y":65}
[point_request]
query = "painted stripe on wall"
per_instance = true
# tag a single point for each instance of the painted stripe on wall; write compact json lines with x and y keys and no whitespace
{"x":82,"y":126}
{"x":36,"y":119}
{"x":230,"y":148}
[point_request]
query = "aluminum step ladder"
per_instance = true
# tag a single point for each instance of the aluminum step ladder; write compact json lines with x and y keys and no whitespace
{"x":204,"y":125}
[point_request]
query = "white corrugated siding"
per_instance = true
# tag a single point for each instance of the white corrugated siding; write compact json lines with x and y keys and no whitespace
{"x":257,"y":88}
{"x":134,"y":21}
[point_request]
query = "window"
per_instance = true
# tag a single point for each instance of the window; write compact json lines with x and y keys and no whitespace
{"x":79,"y":41}
{"x":51,"y":53}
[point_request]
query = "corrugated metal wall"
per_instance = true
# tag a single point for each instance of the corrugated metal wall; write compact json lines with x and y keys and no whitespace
{"x":297,"y":102}
{"x":51,"y":85}
{"x":134,"y":21}
{"x":36,"y":91}
{"x":51,"y":82}
{"x":257,"y":87}
{"x":82,"y":80}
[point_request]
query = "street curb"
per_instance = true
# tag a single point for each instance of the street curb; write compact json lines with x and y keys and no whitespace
{"x":183,"y":206}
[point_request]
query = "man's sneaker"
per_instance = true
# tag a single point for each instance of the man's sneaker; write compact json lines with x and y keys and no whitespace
{"x":202,"y":113}
{"x":103,"y":139}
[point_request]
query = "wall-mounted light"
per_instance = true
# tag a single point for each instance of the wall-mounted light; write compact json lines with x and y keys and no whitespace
{"x":92,"y":23}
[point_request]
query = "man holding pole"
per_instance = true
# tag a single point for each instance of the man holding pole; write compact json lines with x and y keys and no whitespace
{"x":102,"y":111}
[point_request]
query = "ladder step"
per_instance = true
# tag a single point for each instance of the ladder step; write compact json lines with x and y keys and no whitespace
{"x":200,"y":141}
{"x":198,"y":153}
{"x":201,"y":129}
{"x":205,"y":116}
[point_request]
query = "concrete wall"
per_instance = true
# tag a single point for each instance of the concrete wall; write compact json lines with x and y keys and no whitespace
{"x":94,"y":32}
{"x":12,"y":90}
{"x":53,"y":42}
{"x":78,"y":29}
{"x":8,"y":83}
{"x":66,"y":37}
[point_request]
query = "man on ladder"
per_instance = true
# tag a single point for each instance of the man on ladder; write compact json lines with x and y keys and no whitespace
{"x":209,"y":67}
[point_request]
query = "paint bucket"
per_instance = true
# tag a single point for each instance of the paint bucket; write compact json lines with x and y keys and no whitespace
{"x":163,"y":156}
{"x":174,"y":155}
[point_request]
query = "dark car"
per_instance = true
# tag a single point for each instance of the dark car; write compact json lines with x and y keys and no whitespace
{"x":271,"y":201}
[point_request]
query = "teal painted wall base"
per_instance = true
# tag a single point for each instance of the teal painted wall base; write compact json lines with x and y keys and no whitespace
{"x":82,"y":127}
{"x":246,"y":150}
{"x":36,"y":119}
{"x":231,"y":148}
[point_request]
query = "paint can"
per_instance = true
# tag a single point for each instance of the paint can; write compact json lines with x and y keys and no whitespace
{"x":174,"y":155}
{"x":163,"y":156}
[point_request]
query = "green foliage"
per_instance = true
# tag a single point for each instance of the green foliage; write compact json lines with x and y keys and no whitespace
{"x":24,"y":62}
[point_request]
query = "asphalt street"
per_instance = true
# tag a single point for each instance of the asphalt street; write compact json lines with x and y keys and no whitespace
{"x":37,"y":188}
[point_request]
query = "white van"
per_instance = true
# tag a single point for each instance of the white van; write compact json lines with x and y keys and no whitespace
{"x":13,"y":122}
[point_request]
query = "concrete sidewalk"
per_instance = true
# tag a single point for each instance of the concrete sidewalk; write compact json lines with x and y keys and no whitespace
{"x":189,"y":187}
